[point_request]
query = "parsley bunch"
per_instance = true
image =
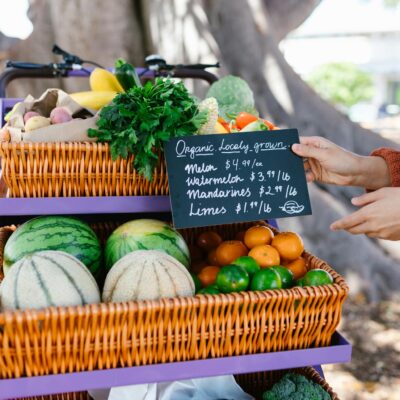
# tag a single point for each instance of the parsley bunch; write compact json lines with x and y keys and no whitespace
{"x":142,"y":119}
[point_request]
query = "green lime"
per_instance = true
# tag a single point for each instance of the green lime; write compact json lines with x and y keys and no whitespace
{"x":317,"y":277}
{"x":209,"y":290}
{"x":285,"y":274}
{"x":232,"y":278}
{"x":300,"y":282}
{"x":248,"y":263}
{"x":265,"y":279}
{"x":197,"y":283}
{"x":213,"y":285}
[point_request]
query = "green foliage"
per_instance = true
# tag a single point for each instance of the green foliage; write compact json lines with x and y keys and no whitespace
{"x":142,"y":119}
{"x":233,"y":95}
{"x":342,"y":83}
{"x":296,"y":387}
{"x":391,"y":3}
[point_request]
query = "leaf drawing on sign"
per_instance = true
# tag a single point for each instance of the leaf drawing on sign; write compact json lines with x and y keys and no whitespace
{"x":292,"y":207}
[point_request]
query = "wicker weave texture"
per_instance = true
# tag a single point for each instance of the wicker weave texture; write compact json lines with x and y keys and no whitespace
{"x":60,"y":396}
{"x":254,"y":384}
{"x":99,"y":336}
{"x":74,"y":169}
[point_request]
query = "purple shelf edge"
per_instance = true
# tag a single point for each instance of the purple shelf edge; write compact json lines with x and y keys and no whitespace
{"x":338,"y":352}
{"x":83,"y":205}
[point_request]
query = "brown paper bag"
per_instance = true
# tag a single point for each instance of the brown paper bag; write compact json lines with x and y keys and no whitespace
{"x":72,"y":131}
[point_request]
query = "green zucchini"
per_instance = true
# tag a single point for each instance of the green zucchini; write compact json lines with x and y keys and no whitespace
{"x":126,"y":74}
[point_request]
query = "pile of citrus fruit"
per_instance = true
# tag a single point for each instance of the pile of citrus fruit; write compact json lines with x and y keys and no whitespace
{"x":256,"y":259}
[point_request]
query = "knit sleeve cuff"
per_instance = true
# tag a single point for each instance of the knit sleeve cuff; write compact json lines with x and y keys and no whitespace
{"x":392,"y":158}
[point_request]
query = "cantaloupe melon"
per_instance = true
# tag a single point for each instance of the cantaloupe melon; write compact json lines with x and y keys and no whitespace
{"x":147,"y":275}
{"x":48,"y":278}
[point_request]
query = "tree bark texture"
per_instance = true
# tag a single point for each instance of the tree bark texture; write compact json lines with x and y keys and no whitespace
{"x":96,"y":30}
{"x":244,"y":36}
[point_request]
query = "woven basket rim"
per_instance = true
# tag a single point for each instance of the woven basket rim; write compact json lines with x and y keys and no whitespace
{"x":7,"y":145}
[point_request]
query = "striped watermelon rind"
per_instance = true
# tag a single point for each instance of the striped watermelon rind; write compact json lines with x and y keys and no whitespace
{"x":146,"y":234}
{"x":58,"y":233}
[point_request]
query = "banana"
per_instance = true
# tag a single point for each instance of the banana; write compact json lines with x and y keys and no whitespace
{"x":93,"y":99}
{"x":104,"y":81}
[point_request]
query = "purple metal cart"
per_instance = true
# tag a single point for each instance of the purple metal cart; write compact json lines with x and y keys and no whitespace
{"x":339,"y":350}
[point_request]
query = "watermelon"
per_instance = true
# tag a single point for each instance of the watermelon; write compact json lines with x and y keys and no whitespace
{"x":48,"y":278}
{"x":146,"y":234}
{"x":147,"y":275}
{"x":54,"y":233}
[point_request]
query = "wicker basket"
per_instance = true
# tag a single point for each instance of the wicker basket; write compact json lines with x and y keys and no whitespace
{"x":100,"y":336}
{"x":74,"y":169}
{"x":254,"y":384}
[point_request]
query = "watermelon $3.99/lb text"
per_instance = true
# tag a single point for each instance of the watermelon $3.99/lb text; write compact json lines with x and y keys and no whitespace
{"x":54,"y":233}
{"x":48,"y":278}
{"x":147,"y":275}
{"x":146,"y":234}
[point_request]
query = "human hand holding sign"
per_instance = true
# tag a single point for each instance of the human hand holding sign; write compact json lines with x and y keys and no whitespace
{"x":330,"y":163}
{"x":379,"y":213}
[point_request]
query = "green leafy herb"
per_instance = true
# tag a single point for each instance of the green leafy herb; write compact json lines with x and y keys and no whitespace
{"x":142,"y":119}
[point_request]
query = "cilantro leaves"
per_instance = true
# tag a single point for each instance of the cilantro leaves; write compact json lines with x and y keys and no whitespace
{"x":142,"y":119}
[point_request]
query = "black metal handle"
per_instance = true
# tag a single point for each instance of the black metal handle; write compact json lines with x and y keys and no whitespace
{"x":25,"y":65}
{"x":9,"y":74}
{"x":67,"y":57}
{"x":191,"y":73}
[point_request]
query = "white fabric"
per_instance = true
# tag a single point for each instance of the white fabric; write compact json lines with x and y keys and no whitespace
{"x":215,"y":388}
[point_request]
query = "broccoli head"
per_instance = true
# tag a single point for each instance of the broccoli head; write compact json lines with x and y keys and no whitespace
{"x":296,"y":387}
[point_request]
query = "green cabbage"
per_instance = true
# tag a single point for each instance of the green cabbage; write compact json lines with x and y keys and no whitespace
{"x":233,"y":95}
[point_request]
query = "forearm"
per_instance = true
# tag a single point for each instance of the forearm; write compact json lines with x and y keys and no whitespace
{"x":372,"y":173}
{"x":392,"y":159}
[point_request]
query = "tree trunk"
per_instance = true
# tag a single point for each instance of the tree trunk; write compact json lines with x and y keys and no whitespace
{"x":285,"y":16}
{"x":97,"y":30}
{"x":244,"y":36}
{"x":37,"y":48}
{"x":251,"y":51}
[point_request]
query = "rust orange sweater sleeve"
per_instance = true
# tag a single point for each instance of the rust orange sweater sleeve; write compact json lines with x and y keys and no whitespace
{"x":392,"y":158}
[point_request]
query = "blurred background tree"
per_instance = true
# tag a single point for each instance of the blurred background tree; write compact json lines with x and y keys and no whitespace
{"x":266,"y":42}
{"x":246,"y":37}
{"x":342,"y":84}
{"x":392,"y":3}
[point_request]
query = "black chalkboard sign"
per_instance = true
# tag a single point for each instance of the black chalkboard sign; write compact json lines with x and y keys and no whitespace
{"x":227,"y":178}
